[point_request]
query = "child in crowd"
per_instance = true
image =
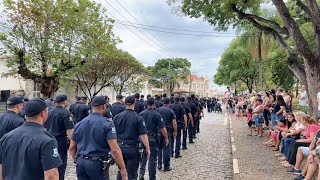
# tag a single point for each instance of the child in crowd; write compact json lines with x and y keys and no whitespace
{"x":250,"y":121}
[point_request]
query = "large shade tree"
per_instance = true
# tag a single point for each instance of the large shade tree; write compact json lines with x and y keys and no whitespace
{"x":48,"y":39}
{"x":285,"y":25}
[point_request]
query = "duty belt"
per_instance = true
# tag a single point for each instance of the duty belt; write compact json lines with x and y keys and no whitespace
{"x":93,"y":158}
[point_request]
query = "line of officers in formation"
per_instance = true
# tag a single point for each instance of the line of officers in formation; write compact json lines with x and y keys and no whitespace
{"x":37,"y":134}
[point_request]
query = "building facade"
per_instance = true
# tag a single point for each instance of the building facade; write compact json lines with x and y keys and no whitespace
{"x":199,"y":86}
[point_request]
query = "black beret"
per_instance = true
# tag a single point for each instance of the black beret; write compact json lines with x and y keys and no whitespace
{"x":84,"y":97}
{"x":130,"y":100}
{"x":166,"y":101}
{"x":119,"y":96}
{"x":150,"y":101}
{"x":35,"y":106}
{"x":98,"y":101}
{"x":14,"y":100}
{"x":61,"y":98}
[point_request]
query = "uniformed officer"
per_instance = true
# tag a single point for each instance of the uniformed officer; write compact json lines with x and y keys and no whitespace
{"x":81,"y":110}
{"x":154,"y":124}
{"x":118,"y":106}
{"x":172,"y":98}
{"x":142,"y":99}
{"x":29,"y":152}
{"x":186,"y":126}
{"x":23,"y":113}
{"x":170,"y":122}
{"x":194,"y":113}
{"x":50,"y":103}
{"x":181,"y":120}
{"x":11,"y":119}
{"x":130,"y":128}
{"x":139,"y":107}
{"x":60,"y":125}
{"x":93,"y":138}
{"x":108,"y":114}
{"x":158,"y":102}
{"x":72,"y":106}
{"x":145,"y":106}
{"x":108,"y":102}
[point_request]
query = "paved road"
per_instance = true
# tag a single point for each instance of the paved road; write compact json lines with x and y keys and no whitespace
{"x":208,"y":159}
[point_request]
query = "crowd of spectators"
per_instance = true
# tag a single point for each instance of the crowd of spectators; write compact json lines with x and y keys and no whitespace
{"x":293,"y":134}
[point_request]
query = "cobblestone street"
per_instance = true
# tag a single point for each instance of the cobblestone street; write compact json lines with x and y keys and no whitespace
{"x":209,"y":158}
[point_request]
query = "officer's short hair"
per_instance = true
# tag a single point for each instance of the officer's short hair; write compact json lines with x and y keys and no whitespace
{"x":177,"y":99}
{"x":158,"y":97}
{"x":164,"y":95}
{"x":182,"y":99}
{"x":11,"y":106}
{"x":149,"y":95}
{"x":172,"y":95}
{"x":137,"y":95}
{"x":189,"y":98}
{"x":150,"y":101}
{"x":166,"y":101}
{"x":142,"y":96}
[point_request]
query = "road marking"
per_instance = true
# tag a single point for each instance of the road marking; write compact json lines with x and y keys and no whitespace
{"x":225,"y":121}
{"x":232,"y":139}
{"x":230,"y":126}
{"x":236,"y":166}
{"x":234,"y":148}
{"x":231,"y":132}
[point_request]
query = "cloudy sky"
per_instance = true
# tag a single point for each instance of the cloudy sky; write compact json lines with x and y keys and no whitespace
{"x":203,"y":51}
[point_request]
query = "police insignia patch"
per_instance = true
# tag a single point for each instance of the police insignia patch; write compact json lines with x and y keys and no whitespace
{"x":144,"y":124}
{"x":113,"y":130}
{"x":55,"y":152}
{"x":70,"y":119}
{"x":161,"y":119}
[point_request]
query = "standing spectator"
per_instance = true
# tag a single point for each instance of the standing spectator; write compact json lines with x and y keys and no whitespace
{"x":266,"y":106}
{"x":279,"y":107}
{"x":318,"y":99}
{"x":303,"y":99}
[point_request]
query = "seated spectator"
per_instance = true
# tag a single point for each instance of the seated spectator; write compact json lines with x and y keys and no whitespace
{"x":290,"y":122}
{"x":309,"y":133}
{"x":293,"y":134}
{"x":274,"y":133}
{"x":312,"y":160}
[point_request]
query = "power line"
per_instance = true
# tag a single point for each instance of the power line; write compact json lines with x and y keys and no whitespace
{"x":176,"y":29}
{"x":163,"y":51}
{"x":177,"y":33}
{"x":148,"y":32}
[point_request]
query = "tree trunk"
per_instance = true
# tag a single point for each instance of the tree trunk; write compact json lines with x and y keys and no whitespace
{"x":260,"y":58}
{"x":49,"y":85}
{"x":313,"y":85}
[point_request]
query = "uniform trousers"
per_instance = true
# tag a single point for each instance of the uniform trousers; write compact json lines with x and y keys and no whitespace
{"x":185,"y":134}
{"x":131,"y":159}
{"x":164,"y":151}
{"x":63,"y":147}
{"x":89,"y":169}
{"x":178,"y":139}
{"x":152,"y":165}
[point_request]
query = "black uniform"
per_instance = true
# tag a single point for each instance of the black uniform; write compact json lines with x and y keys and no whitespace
{"x":179,"y":112}
{"x":108,"y":114}
{"x":139,"y":107}
{"x":9,"y":121}
{"x":28,"y":151}
{"x":58,"y":122}
{"x":194,"y":112}
{"x":154,"y":123}
{"x":185,"y":132}
{"x":130,"y":126}
{"x":158,"y":103}
{"x":117,"y":108}
{"x":81,"y":111}
{"x":91,"y":136}
{"x":72,"y":106}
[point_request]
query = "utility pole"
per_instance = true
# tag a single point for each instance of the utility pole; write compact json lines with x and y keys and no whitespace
{"x":260,"y":57}
{"x":169,"y":77}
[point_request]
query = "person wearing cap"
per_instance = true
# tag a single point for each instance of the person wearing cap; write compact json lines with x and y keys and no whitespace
{"x":142,"y":99}
{"x":158,"y":102}
{"x":154,"y":124}
{"x":72,"y":106}
{"x":138,"y":105}
{"x":11,"y":118}
{"x":118,"y":106}
{"x":22,"y":113}
{"x":108,"y":114}
{"x":130,"y":130}
{"x":50,"y":103}
{"x":93,"y":138}
{"x":145,"y":105}
{"x":186,"y":125}
{"x":172,"y":98}
{"x":170,"y":122}
{"x":181,"y":120}
{"x":194,"y":112}
{"x":60,"y":125}
{"x":29,"y":152}
{"x":81,"y":110}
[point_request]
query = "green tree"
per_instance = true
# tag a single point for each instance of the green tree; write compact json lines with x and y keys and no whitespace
{"x":48,"y":39}
{"x":284,"y":23}
{"x":169,"y":72}
{"x":237,"y":64}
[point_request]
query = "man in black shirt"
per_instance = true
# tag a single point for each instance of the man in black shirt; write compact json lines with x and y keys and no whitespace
{"x":194,"y":113}
{"x":60,"y":125}
{"x":81,"y":110}
{"x":118,"y":106}
{"x":29,"y":152}
{"x":139,"y":107}
{"x":186,"y":126}
{"x":158,"y":102}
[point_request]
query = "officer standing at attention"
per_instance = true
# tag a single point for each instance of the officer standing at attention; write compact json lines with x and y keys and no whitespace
{"x":181,"y":120}
{"x":93,"y":138}
{"x":138,"y":105}
{"x":81,"y":110}
{"x":118,"y":106}
{"x":72,"y":106}
{"x":59,"y":124}
{"x":154,"y":124}
{"x":29,"y":152}
{"x":142,"y":99}
{"x":50,"y":103}
{"x":172,"y":98}
{"x":170,"y":122}
{"x":189,"y":123}
{"x":130,"y":130}
{"x":23,"y":114}
{"x":11,"y":119}
{"x":194,"y":113}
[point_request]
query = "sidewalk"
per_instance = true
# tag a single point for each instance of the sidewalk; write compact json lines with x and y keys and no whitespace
{"x":256,"y":161}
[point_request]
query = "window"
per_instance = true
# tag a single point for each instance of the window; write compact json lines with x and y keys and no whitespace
{"x":36,"y":90}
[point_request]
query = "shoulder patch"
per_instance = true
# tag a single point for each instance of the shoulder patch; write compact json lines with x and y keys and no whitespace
{"x":55,"y":152}
{"x":161,"y":119}
{"x":113,"y":129}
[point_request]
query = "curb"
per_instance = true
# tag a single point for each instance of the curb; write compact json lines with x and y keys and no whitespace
{"x":235,"y":162}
